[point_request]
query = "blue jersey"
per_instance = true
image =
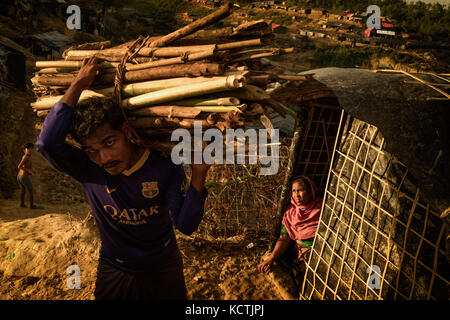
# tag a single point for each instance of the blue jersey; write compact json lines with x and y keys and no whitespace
{"x":136,"y":210}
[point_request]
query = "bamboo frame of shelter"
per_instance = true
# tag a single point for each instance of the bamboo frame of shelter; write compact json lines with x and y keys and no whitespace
{"x":240,"y":202}
{"x":374,"y":214}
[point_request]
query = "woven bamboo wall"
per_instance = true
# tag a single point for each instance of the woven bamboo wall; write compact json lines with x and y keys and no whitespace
{"x":373,"y":214}
{"x":317,"y":141}
{"x":240,"y":201}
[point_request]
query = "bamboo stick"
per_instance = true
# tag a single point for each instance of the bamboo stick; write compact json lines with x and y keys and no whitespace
{"x":221,"y":109}
{"x":263,"y":55}
{"x":225,"y":101}
{"x":249,"y":92}
{"x":223,"y":12}
{"x":240,"y":44}
{"x":69,"y":64}
{"x":55,"y":70}
{"x":164,"y":62}
{"x":48,"y":102}
{"x":159,"y":122}
{"x":250,"y":29}
{"x":115,"y":54}
{"x":276,"y":106}
{"x":90,"y":46}
{"x":134,"y":89}
{"x":187,"y":91}
{"x":172,"y":71}
{"x":167,"y":111}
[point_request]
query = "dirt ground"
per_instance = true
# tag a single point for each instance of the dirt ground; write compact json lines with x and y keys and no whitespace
{"x":37,"y":247}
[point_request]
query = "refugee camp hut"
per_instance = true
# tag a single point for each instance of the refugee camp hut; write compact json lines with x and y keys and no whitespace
{"x":304,"y":11}
{"x":384,"y":222}
{"x":12,"y":64}
{"x":51,"y":44}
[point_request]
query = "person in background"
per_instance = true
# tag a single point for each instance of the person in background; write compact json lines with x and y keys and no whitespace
{"x":299,"y":224}
{"x":23,"y":177}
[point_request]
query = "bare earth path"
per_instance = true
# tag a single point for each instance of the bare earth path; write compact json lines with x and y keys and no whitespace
{"x":37,"y":247}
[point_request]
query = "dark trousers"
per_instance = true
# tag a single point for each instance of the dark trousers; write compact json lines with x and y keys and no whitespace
{"x":165,"y":283}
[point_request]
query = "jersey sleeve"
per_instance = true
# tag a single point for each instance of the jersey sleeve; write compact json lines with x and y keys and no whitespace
{"x":186,"y":204}
{"x":52,"y":146}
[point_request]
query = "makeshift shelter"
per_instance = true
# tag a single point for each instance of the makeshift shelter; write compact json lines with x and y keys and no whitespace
{"x":51,"y":43}
{"x":381,"y":139}
{"x":12,"y":66}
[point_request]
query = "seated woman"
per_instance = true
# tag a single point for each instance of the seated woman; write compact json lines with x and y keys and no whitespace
{"x":299,"y":223}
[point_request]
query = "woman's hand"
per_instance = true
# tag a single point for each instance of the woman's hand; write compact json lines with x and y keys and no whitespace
{"x":266,"y":265}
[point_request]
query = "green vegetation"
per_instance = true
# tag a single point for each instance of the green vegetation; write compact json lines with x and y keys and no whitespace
{"x":418,"y":17}
{"x":345,"y":57}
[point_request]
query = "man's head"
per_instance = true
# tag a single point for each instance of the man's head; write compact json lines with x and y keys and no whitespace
{"x":100,"y":128}
{"x":301,"y":191}
{"x":28,"y":148}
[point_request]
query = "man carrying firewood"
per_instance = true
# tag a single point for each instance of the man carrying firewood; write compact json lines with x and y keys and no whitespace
{"x":136,"y":195}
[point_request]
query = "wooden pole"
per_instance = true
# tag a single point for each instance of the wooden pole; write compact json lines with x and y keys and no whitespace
{"x":223,"y":12}
{"x":181,"y":92}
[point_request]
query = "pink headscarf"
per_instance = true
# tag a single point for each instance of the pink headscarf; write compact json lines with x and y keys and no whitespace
{"x":301,"y":220}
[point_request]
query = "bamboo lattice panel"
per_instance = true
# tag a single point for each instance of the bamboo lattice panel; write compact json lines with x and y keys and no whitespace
{"x":318,"y":142}
{"x":374,"y":214}
{"x":240,"y":202}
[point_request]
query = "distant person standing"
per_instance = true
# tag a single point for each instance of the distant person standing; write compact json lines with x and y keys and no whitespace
{"x":25,"y":171}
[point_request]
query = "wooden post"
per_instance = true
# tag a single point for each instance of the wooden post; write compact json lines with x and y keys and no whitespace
{"x":286,"y":189}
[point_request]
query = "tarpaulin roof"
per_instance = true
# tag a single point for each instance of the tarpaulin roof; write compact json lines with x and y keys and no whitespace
{"x":415,"y":128}
{"x":54,"y":39}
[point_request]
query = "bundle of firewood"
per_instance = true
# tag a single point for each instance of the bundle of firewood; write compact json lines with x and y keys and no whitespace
{"x":192,"y":74}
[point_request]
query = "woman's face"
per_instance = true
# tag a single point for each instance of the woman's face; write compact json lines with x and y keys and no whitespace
{"x":300,"y":193}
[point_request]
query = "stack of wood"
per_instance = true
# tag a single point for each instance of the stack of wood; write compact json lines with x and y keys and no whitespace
{"x":192,"y":74}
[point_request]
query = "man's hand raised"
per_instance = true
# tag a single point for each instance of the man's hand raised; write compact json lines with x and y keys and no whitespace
{"x":86,"y":75}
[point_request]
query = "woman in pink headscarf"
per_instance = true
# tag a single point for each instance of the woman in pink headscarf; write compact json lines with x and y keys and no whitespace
{"x":300,"y":221}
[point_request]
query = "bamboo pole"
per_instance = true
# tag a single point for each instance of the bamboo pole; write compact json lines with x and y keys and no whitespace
{"x":221,"y":109}
{"x":225,"y":101}
{"x":70,"y":64}
{"x":223,"y":12}
{"x":264,"y":55}
{"x":159,"y":122}
{"x":48,"y":102}
{"x":189,"y":57}
{"x":134,"y":89}
{"x":172,"y":71}
{"x":56,"y":70}
{"x":187,"y":91}
{"x":166,"y":111}
{"x":240,"y":44}
{"x":115,"y":54}
{"x":276,"y":106}
{"x":290,"y":172}
{"x":249,"y":92}
{"x":250,"y":29}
